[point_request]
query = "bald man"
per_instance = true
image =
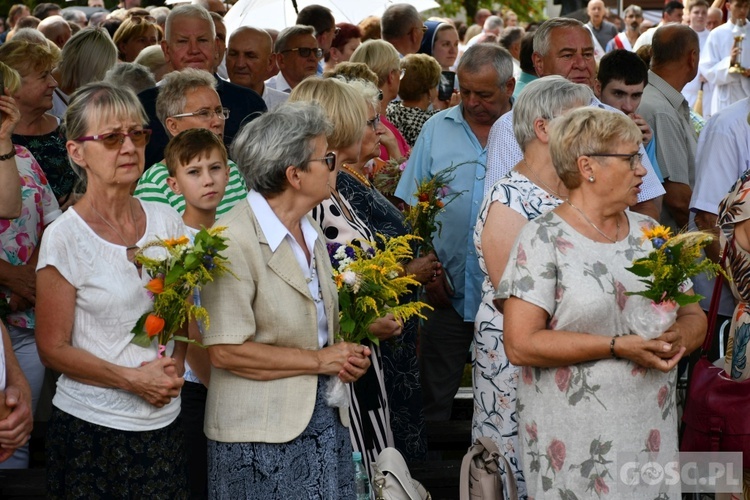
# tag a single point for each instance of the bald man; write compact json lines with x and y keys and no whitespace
{"x":250,"y":62}
{"x":714,"y":18}
{"x":602,"y":30}
{"x":55,"y":29}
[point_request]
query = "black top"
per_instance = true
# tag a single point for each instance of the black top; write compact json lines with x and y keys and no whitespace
{"x":243,"y":104}
{"x":49,"y":151}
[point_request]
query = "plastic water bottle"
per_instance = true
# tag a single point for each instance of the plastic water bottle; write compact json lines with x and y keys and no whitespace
{"x":361,"y":482}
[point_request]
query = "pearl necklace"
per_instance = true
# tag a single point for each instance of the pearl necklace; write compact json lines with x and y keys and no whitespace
{"x":617,"y":234}
{"x":356,"y":174}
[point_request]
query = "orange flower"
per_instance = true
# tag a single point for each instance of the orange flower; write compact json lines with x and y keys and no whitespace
{"x":153,"y":325}
{"x":439,"y":203}
{"x":424,"y":197}
{"x":173,"y":242}
{"x":155,"y":286}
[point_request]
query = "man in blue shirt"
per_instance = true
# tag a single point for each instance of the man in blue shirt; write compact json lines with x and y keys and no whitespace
{"x":457,"y":136}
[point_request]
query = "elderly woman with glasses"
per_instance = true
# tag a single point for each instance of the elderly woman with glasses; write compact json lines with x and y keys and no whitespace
{"x":188,"y":99}
{"x":271,"y":341}
{"x":589,"y":391}
{"x":113,"y":426}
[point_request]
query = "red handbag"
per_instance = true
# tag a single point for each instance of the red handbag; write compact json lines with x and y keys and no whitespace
{"x":716,"y":411}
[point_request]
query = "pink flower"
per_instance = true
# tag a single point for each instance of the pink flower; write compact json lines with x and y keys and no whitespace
{"x":559,"y":291}
{"x":531,"y":431}
{"x":653,"y":442}
{"x":638,"y":370}
{"x":563,"y":245}
{"x":527,"y":375}
{"x":600,"y":486}
{"x":662,"y":396}
{"x":620,"y":294}
{"x":556,"y":454}
{"x":562,"y":378}
{"x":521,"y":258}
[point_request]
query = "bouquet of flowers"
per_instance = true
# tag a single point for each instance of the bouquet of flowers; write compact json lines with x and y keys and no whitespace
{"x":187,"y":266}
{"x":385,"y":176}
{"x":665,"y":269}
{"x":369,"y":286}
{"x":432,"y":195}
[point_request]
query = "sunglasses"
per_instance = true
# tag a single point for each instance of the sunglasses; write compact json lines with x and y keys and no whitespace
{"x":115,"y":140}
{"x":306,"y":51}
{"x":329,"y":160}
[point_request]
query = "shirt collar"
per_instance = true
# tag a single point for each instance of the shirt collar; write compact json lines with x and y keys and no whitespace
{"x":675,"y":98}
{"x":272,"y":227}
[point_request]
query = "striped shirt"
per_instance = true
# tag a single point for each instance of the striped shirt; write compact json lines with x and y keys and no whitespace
{"x":152,"y":186}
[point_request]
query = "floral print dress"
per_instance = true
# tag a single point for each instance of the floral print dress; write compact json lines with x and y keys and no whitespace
{"x":578,"y":423}
{"x":494,"y":378}
{"x":733,"y":210}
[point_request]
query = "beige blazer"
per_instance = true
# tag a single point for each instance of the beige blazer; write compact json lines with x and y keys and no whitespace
{"x":270,"y":303}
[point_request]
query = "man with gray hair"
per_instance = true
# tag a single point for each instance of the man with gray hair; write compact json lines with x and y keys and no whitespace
{"x":402,"y":27}
{"x":457,"y":137}
{"x":562,"y":46}
{"x":190,"y":41}
{"x":56,"y":29}
{"x":76,"y":16}
{"x":249,"y":61}
{"x":493,"y":25}
{"x":626,"y":39}
{"x":297,"y":56}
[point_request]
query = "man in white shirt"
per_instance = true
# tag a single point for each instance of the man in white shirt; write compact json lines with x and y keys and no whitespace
{"x":698,"y":16}
{"x":716,"y":58}
{"x":492,"y":27}
{"x":672,"y":13}
{"x":297,"y":55}
{"x":626,"y":39}
{"x":249,"y":62}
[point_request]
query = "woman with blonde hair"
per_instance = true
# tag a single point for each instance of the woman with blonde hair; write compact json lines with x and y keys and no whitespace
{"x":382,"y":58}
{"x":39,"y":131}
{"x":135,"y":34}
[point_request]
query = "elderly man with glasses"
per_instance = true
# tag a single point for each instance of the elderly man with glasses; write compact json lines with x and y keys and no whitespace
{"x":297,"y":56}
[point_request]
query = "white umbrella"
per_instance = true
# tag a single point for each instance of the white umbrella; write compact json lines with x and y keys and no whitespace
{"x":278,"y":14}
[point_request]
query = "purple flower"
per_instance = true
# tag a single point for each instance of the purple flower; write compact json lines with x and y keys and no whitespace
{"x":350,"y":252}
{"x":208,"y":262}
{"x":658,"y":242}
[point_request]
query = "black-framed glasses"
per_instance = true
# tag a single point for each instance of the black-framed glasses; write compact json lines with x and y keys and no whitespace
{"x":634,"y":159}
{"x":206,"y":114}
{"x":329,"y":159}
{"x":380,"y":95}
{"x":115,"y":140}
{"x":374,"y":123}
{"x":306,"y":51}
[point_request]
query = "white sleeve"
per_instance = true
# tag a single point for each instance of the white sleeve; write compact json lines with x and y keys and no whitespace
{"x":503,"y":151}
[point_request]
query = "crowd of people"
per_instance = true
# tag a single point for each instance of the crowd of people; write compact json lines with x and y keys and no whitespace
{"x":560,"y":140}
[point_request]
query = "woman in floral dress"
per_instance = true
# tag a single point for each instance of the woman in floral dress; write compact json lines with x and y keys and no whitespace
{"x":529,"y":190}
{"x":590,"y":395}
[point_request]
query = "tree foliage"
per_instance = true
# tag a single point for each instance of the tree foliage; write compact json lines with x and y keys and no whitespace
{"x":527,"y":10}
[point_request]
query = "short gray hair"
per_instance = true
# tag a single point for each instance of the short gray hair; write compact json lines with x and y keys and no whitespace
{"x":636,"y":10}
{"x":546,"y":98}
{"x":175,"y":86}
{"x":366,"y":89}
{"x":543,"y":34}
{"x":398,"y":20}
{"x":479,"y":55}
{"x":136,"y":76}
{"x":493,"y":23}
{"x":188,"y":10}
{"x":30,"y":35}
{"x":288,"y":33}
{"x":267,"y":146}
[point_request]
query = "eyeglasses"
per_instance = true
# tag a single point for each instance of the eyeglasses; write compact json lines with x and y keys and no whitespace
{"x":374,"y":123}
{"x":380,"y":95}
{"x":115,"y":140}
{"x":336,"y":31}
{"x":306,"y":51}
{"x":329,"y":159}
{"x":206,"y":114}
{"x":634,"y":159}
{"x":401,"y":73}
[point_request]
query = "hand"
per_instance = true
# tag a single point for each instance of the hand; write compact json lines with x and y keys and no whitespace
{"x":16,"y":303}
{"x":388,"y":140}
{"x":673,"y":337}
{"x":648,"y":353}
{"x":348,"y":361}
{"x":386,"y":327}
{"x":157,"y":381}
{"x":22,"y":281}
{"x":10,"y":117}
{"x":424,"y":269}
{"x":438,"y":293}
{"x":455,"y":99}
{"x":15,"y":429}
{"x":643,"y":126}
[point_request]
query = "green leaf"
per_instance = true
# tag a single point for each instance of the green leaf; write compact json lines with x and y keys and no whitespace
{"x":141,"y":337}
{"x":180,"y":338}
{"x":576,"y":397}
{"x":592,"y":449}
{"x":587,"y":466}
{"x":604,"y":449}
{"x":684,"y":299}
{"x":639,"y":270}
{"x":546,"y":483}
{"x":173,"y":274}
{"x":191,"y":261}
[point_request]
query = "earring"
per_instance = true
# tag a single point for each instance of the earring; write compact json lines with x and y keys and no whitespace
{"x":591,"y":178}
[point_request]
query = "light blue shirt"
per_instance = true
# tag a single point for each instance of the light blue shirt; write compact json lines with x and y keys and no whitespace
{"x":446,"y":139}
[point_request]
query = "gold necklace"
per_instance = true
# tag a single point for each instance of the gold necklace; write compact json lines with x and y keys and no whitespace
{"x":544,"y":184}
{"x":356,"y":174}
{"x":617,"y":234}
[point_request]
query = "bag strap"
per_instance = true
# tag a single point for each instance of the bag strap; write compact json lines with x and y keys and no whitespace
{"x":713,"y":309}
{"x":491,"y":463}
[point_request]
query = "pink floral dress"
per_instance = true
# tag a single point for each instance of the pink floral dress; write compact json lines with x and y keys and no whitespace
{"x":19,"y":237}
{"x":580,"y":424}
